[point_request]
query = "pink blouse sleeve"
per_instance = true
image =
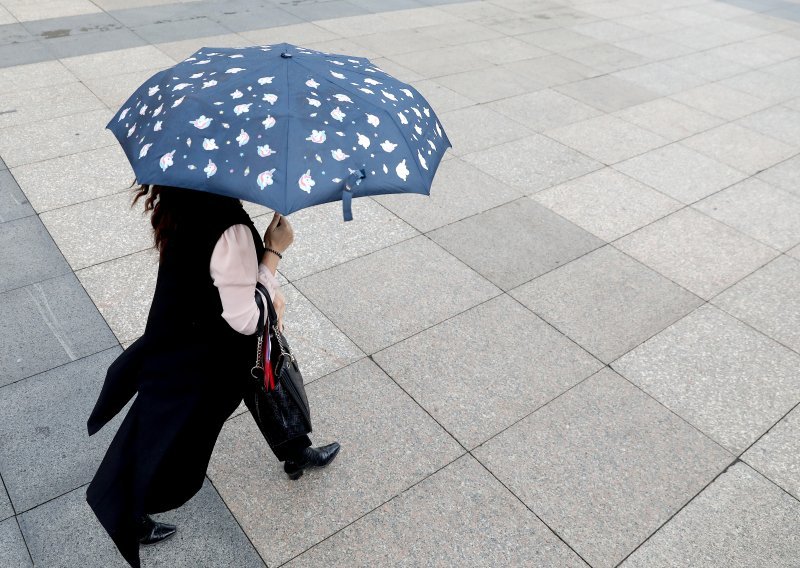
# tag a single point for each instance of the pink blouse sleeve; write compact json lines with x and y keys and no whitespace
{"x":235,"y":270}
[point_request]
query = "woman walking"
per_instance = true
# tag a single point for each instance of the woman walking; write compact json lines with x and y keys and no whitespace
{"x":189,"y":370}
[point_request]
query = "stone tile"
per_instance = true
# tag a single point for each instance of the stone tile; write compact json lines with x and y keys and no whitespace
{"x":323,"y":240}
{"x":46,"y":452}
{"x":176,"y":30}
{"x":31,"y":105}
{"x":299,"y":34}
{"x":95,"y":231}
{"x":760,"y":51}
{"x":26,"y":53}
{"x":461,"y":32}
{"x":740,"y":520}
{"x":13,"y":203}
{"x":437,"y":366}
{"x":27,"y":254}
{"x":769,"y":300}
{"x":26,"y":11}
{"x":775,"y":454}
{"x":117,"y":62}
{"x":322,"y":10}
{"x":180,"y":50}
{"x":35,"y":75}
{"x":721,"y":375}
{"x":606,"y":302}
{"x":55,"y":137}
{"x":51,"y":28}
{"x":442,"y":61}
{"x":783,"y":175}
{"x":607,"y":138}
{"x":6,"y":17}
{"x":654,"y":47}
{"x":441,"y":98}
{"x":65,"y":533}
{"x":697,"y":252}
{"x":660,"y":78}
{"x":607,"y":30}
{"x":400,"y":441}
{"x":72,"y":179}
{"x":394,"y":42}
{"x":680,"y":172}
{"x":533,"y":240}
{"x":532,"y":163}
{"x":462,"y":124}
{"x":347,"y":26}
{"x":512,"y":48}
{"x":795,"y":252}
{"x":605,"y":58}
{"x":345,"y":45}
{"x":6,"y":510}
{"x":669,"y":119}
{"x":12,"y":547}
{"x":607,"y":203}
{"x":116,"y":89}
{"x":544,"y":109}
{"x":89,"y":43}
{"x":438,"y":515}
{"x":551,"y":70}
{"x":252,"y":18}
{"x":773,"y":87}
{"x":718,"y":100}
{"x":375,"y":317}
{"x":778,"y":122}
{"x":122,"y":289}
{"x":488,"y":84}
{"x":48,"y":324}
{"x":459,"y":190}
{"x":12,"y":32}
{"x":607,"y":92}
{"x":740,"y":147}
{"x":707,"y":65}
{"x":604,"y":466}
{"x":557,"y":40}
{"x":759,"y":210}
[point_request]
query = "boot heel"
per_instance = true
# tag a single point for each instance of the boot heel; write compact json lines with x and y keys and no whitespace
{"x":295,"y":474}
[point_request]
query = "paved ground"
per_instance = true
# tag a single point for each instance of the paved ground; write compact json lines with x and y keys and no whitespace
{"x":583,"y":349}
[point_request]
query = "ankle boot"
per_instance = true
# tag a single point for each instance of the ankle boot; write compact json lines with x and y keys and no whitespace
{"x":151,"y":532}
{"x":310,"y":457}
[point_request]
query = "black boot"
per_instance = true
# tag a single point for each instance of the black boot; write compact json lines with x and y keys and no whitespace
{"x":151,"y":532}
{"x":310,"y":457}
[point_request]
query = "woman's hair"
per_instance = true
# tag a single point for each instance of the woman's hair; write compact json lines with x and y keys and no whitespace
{"x":168,"y":205}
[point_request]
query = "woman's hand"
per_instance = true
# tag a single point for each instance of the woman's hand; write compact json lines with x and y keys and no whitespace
{"x":279,"y":302}
{"x":279,"y":235}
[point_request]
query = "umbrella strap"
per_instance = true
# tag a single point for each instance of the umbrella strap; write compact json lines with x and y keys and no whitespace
{"x":350,"y":182}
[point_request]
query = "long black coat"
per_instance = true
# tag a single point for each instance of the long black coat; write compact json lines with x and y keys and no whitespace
{"x":189,"y":373}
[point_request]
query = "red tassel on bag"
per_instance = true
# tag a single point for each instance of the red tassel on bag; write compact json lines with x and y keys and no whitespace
{"x":269,"y":376}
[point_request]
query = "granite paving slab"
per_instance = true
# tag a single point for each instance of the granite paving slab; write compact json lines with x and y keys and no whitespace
{"x":659,"y":78}
{"x":607,"y":138}
{"x":25,"y":53}
{"x":437,"y":368}
{"x":458,"y":191}
{"x":718,"y":100}
{"x":740,"y":520}
{"x":195,"y":26}
{"x":72,"y":179}
{"x":795,"y":252}
{"x":769,"y":300}
{"x":441,"y":61}
{"x":45,"y":450}
{"x":257,"y":15}
{"x":47,"y":324}
{"x":533,"y":240}
{"x":323,"y":240}
{"x":488,"y":84}
{"x":459,"y":32}
{"x":375,"y":317}
{"x":441,"y":98}
{"x":122,"y":289}
{"x":65,"y":533}
{"x":440,"y":516}
{"x":55,"y":137}
{"x":607,"y":92}
{"x":778,"y":122}
{"x":532,"y":163}
{"x":26,"y":11}
{"x":13,"y":552}
{"x":181,"y":49}
{"x":53,"y":27}
{"x":512,"y":48}
{"x":557,"y":40}
{"x":607,"y":203}
{"x":772,"y":87}
{"x":299,"y":34}
{"x":606,"y":302}
{"x":28,"y":254}
{"x":604,"y":465}
{"x":681,"y":172}
{"x":783,"y":175}
{"x":99,"y":230}
{"x":759,"y":210}
{"x":697,"y":252}
{"x":388,"y":444}
{"x":718,"y":373}
{"x":461,"y":125}
{"x":707,"y":65}
{"x":544,"y":109}
{"x":85,"y":44}
{"x":6,"y":510}
{"x":116,"y":89}
{"x":551,"y":70}
{"x":775,"y":455}
{"x":31,"y":105}
{"x":653,"y":47}
{"x":13,"y":203}
{"x":117,"y":62}
{"x":605,"y":57}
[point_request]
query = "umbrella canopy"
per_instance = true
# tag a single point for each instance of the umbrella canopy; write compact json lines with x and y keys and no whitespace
{"x":281,"y":125}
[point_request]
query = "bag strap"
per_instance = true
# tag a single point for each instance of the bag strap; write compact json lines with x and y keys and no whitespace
{"x":260,"y":304}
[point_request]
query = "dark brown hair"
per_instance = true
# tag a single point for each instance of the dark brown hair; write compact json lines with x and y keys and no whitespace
{"x":162,"y":217}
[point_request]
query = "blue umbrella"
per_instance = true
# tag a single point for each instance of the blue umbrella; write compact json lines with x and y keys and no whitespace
{"x":281,"y":125}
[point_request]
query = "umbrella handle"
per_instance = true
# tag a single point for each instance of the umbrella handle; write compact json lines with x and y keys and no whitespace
{"x":350,"y":182}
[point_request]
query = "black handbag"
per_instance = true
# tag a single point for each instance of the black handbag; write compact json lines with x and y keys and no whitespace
{"x":282,"y":413}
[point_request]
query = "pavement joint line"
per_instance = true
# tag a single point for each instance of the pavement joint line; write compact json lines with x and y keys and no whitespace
{"x":24,"y":540}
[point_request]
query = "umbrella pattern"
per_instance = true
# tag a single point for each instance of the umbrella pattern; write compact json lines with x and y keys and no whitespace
{"x":281,"y":125}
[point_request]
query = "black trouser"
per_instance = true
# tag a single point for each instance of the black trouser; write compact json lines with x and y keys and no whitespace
{"x":285,"y":451}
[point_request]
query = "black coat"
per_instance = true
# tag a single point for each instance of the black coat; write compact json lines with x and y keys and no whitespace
{"x":189,"y":373}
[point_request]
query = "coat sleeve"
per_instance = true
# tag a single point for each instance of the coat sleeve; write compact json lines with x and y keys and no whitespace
{"x":235,"y":269}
